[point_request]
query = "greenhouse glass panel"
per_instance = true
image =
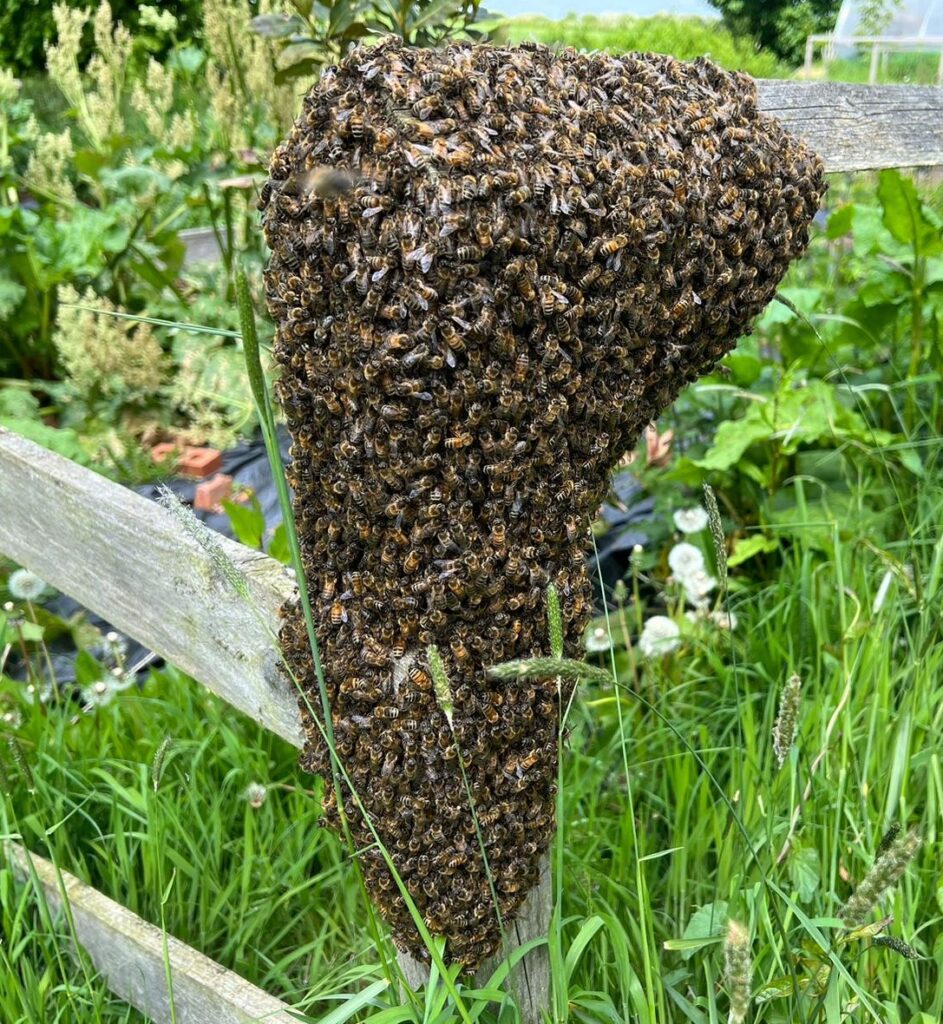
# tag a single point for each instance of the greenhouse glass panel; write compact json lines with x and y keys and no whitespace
{"x":909,"y":18}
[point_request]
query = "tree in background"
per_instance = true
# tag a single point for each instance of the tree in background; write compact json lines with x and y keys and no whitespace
{"x":780,"y":26}
{"x":876,"y":15}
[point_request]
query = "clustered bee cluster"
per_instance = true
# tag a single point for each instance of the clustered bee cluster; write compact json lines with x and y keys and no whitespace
{"x":491,"y":269}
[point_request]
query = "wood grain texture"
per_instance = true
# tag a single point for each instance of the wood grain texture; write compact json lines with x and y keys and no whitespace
{"x":861,"y":127}
{"x":129,"y":954}
{"x":132,"y":562}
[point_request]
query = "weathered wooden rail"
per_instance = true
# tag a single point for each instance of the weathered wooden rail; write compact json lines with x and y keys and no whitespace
{"x":130,"y":955}
{"x":133,"y":563}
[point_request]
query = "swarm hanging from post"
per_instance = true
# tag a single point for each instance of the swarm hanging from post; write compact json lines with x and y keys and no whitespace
{"x":491,"y":269}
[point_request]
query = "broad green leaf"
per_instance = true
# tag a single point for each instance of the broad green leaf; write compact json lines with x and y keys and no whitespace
{"x":805,"y":871}
{"x":905,"y":216}
{"x":248,"y":522}
{"x":746,"y":548}
{"x":87,"y":669}
{"x":296,"y":53}
{"x":276,"y":26}
{"x":31,"y":632}
{"x":731,"y":441}
{"x":778,"y":988}
{"x":278,"y":547}
{"x":188,"y":59}
{"x":744,"y":367}
{"x":11,"y":295}
{"x":839,"y":223}
{"x":706,"y":925}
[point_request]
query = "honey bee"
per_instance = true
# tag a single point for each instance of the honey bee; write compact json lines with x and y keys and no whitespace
{"x":462,"y":440}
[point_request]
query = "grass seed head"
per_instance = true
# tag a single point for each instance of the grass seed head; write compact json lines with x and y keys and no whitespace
{"x":885,"y":873}
{"x":787,"y":720}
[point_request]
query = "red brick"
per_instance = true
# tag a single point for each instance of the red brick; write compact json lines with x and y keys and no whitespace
{"x":210,"y":493}
{"x":200,"y":462}
{"x":161,"y":452}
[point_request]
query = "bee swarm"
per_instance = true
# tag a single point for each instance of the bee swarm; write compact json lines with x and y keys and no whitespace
{"x":491,"y":269}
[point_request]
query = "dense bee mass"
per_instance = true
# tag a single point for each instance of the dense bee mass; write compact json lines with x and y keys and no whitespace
{"x":491,"y":268}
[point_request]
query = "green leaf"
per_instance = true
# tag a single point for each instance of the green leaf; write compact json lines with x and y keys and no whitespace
{"x":746,"y":548}
{"x":804,"y":872}
{"x":590,"y":927}
{"x":248,"y":522}
{"x":188,"y":59}
{"x":732,"y":439}
{"x":303,"y":69}
{"x":31,"y":632}
{"x":706,"y":926}
{"x":306,"y":51}
{"x":278,"y":547}
{"x":778,"y":988}
{"x":905,"y":216}
{"x":276,"y":26}
{"x":354,"y":1003}
{"x":64,"y":442}
{"x":87,"y":669}
{"x":744,"y":367}
{"x":839,"y":223}
{"x":89,"y":162}
{"x":910,"y":460}
{"x":11,"y":295}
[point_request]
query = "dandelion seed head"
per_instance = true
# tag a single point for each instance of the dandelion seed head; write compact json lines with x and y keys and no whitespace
{"x":597,"y":640}
{"x":12,"y":718}
{"x":660,"y":635}
{"x":698,"y":586}
{"x":724,"y":620}
{"x":8,"y":606}
{"x":254,"y":794}
{"x":685,"y":559}
{"x":38,"y":694}
{"x":25,"y":585}
{"x":97,"y":695}
{"x":690,"y":520}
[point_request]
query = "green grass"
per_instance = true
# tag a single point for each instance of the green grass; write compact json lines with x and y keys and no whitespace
{"x":685,"y":38}
{"x":671,"y":801}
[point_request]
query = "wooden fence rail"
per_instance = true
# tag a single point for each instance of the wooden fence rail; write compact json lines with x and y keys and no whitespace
{"x":131,"y":957}
{"x":134,"y":564}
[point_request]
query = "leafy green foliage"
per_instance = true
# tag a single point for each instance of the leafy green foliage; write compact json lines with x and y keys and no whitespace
{"x":317,"y":34}
{"x":779,"y":26}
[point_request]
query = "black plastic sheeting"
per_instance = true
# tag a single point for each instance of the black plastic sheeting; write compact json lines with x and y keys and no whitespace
{"x":248,"y":465}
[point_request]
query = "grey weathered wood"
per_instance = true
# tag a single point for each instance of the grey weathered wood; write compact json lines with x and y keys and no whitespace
{"x":861,"y":127}
{"x":131,"y":561}
{"x":129,"y":954}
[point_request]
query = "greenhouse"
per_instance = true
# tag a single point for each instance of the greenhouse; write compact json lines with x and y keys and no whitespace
{"x":918,"y":19}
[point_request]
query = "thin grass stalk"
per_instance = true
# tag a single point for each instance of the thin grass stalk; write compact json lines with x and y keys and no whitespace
{"x":652,"y":992}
